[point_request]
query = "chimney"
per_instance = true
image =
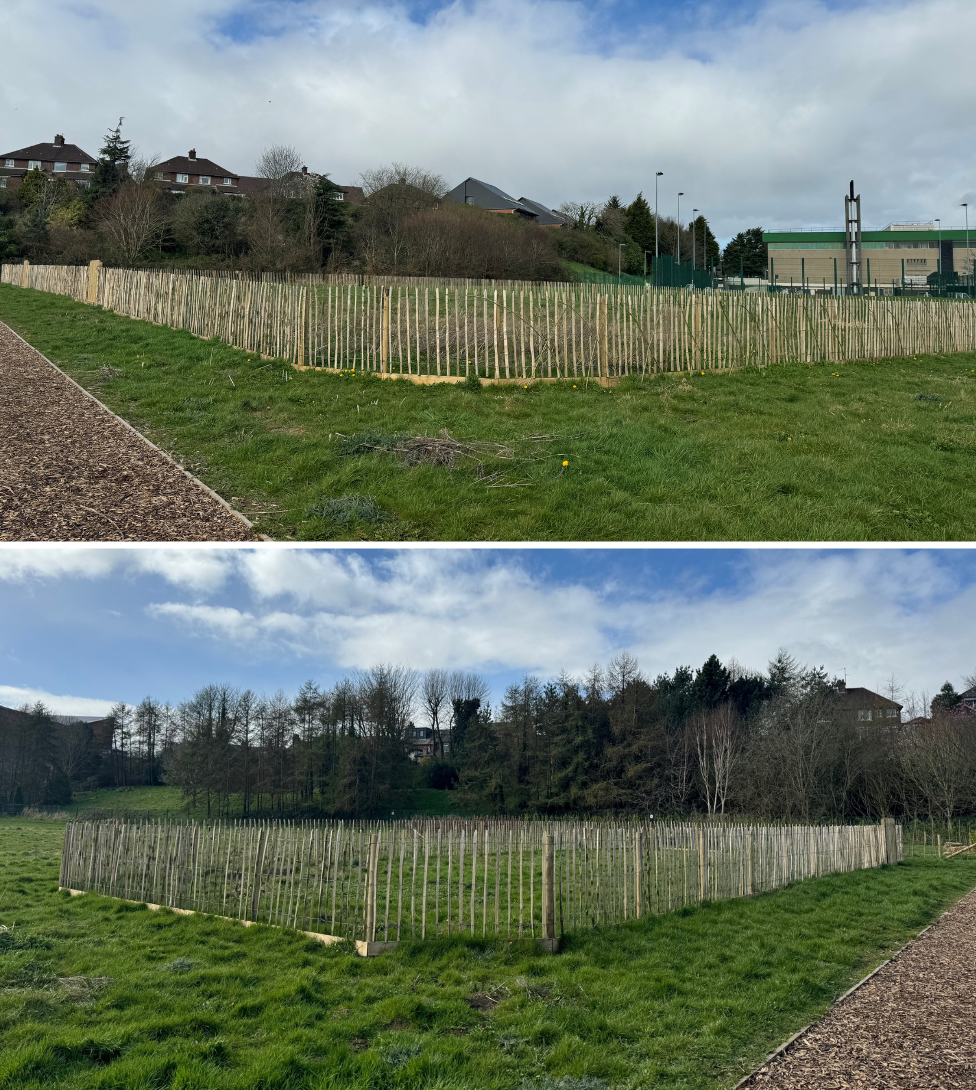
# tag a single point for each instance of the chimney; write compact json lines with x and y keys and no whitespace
{"x":193,"y":153}
{"x":304,"y":170}
{"x":59,"y":141}
{"x":842,"y":686}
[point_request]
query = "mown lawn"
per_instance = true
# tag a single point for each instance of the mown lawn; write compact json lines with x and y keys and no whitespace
{"x":96,"y":993}
{"x":861,"y":451}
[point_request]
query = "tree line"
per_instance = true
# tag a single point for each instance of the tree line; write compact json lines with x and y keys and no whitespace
{"x":293,"y":222}
{"x":780,"y":743}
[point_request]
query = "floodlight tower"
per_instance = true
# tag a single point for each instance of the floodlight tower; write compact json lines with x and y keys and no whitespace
{"x":852,"y":240}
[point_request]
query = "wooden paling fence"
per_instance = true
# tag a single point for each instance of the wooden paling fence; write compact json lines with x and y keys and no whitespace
{"x":380,"y":882}
{"x":431,"y":329}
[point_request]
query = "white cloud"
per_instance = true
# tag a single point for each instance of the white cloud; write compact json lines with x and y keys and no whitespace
{"x":12,"y":696}
{"x":758,"y":119}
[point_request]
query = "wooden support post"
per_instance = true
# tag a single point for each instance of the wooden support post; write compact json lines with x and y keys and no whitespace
{"x":604,"y":334}
{"x":91,"y":296}
{"x":258,"y":868}
{"x":371,"y":883}
{"x":890,"y":840}
{"x":548,"y":940}
{"x":25,"y":273}
{"x":385,"y":337}
{"x":639,"y":874}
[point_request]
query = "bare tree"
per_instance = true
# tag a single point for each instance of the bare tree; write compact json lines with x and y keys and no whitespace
{"x":582,"y":213}
{"x":134,"y":220}
{"x":434,"y":691}
{"x":278,"y":165}
{"x":402,"y":174}
{"x":716,"y":734}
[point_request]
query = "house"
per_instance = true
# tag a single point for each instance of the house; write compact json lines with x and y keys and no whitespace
{"x":968,"y":700}
{"x":55,"y":159}
{"x":187,"y":172}
{"x":548,"y":217}
{"x":102,"y":728}
{"x":422,"y":744}
{"x":864,"y":706}
{"x":490,"y":197}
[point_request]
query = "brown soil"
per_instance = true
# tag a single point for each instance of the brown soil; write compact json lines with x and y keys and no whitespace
{"x":71,"y":471}
{"x":910,"y":1026}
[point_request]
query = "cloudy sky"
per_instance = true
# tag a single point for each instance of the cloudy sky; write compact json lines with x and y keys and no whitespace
{"x":83,"y":627}
{"x":759,"y":110}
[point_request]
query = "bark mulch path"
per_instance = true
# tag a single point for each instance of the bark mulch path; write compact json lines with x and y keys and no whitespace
{"x":71,"y":471}
{"x":912,"y":1025}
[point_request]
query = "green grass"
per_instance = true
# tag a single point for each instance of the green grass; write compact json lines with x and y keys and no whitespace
{"x":691,"y":1000}
{"x":880,"y":450}
{"x":590,"y":275}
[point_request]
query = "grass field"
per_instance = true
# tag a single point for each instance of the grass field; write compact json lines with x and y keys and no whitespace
{"x":95,"y":993}
{"x":860,"y":451}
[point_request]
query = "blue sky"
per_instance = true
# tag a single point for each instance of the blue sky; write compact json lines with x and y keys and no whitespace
{"x":760,"y":111}
{"x":84,"y":627}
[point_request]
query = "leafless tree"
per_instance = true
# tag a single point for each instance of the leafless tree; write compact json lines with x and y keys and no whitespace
{"x":402,"y":174}
{"x":134,"y":220}
{"x":716,"y":733}
{"x":942,"y":760}
{"x":582,"y":213}
{"x":468,"y":686}
{"x":434,"y":690}
{"x":278,"y":165}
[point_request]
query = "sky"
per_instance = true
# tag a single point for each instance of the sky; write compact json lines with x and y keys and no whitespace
{"x":83,"y":627}
{"x":760,"y":111}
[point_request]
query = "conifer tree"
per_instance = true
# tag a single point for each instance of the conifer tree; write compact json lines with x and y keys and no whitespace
{"x":330,"y":217}
{"x":639,"y":223}
{"x":112,"y":168}
{"x":747,"y":252}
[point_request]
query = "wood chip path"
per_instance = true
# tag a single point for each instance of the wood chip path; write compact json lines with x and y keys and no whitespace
{"x":911,"y":1025}
{"x":70,"y":470}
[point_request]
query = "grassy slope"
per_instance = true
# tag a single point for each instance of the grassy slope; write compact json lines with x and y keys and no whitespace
{"x":691,"y":1000}
{"x":863,"y":451}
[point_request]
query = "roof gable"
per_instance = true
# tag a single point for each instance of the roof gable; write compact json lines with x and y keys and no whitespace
{"x":183,"y":164}
{"x":70,"y":153}
{"x":486,"y":195}
{"x":547,"y":216}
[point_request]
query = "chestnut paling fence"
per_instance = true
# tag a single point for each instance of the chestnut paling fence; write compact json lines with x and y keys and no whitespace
{"x":509,"y":330}
{"x":391,"y":880}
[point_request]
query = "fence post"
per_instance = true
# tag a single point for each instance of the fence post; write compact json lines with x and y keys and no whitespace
{"x":639,"y":874}
{"x":385,"y":338}
{"x":92,"y":295}
{"x":548,"y":889}
{"x":25,"y":272}
{"x":371,"y":878}
{"x":258,"y":868}
{"x":890,"y":840}
{"x":604,"y":364}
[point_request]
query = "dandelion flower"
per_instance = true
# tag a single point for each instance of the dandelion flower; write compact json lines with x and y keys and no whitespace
{"x":565,"y":463}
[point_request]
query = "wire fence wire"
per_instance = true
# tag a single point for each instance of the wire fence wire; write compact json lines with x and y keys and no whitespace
{"x":393,"y":880}
{"x":509,"y":330}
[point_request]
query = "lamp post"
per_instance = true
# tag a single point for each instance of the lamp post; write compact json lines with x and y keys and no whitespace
{"x":694,"y":240}
{"x":938,"y":265}
{"x":968,"y":262}
{"x":656,"y":176}
{"x":680,"y":195}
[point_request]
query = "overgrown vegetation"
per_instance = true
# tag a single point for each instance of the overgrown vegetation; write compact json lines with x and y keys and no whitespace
{"x":97,"y":994}
{"x":820,"y":452}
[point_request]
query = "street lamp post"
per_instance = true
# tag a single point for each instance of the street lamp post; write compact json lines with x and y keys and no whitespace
{"x":656,"y":176}
{"x":680,"y":195}
{"x":969,"y":269}
{"x":694,"y":240}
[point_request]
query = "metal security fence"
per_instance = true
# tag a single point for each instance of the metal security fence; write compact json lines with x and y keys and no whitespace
{"x":386,"y":881}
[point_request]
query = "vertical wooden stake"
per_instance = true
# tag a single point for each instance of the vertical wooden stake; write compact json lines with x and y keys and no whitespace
{"x":258,"y":867}
{"x":548,"y":888}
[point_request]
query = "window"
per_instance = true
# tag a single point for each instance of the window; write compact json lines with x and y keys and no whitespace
{"x":864,"y":717}
{"x":3,"y":182}
{"x":228,"y":181}
{"x":183,"y":177}
{"x":60,"y":167}
{"x":204,"y":179}
{"x":84,"y":184}
{"x":892,"y":713}
{"x":8,"y":163}
{"x":159,"y":176}
{"x":85,"y":168}
{"x":33,"y":164}
{"x":339,"y":195}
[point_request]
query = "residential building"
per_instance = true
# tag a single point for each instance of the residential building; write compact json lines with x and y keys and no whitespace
{"x":967,"y":700}
{"x":864,"y":706}
{"x":57,"y":159}
{"x":547,"y":217}
{"x":902,"y":255}
{"x":484,"y":195}
{"x":422,"y":744}
{"x":188,"y":172}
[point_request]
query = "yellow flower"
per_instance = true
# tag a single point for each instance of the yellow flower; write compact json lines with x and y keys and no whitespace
{"x":565,"y":463}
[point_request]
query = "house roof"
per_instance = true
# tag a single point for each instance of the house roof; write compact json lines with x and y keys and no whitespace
{"x":66,"y":153}
{"x":485,"y":195}
{"x":969,"y":694}
{"x":858,"y":697}
{"x":183,"y":164}
{"x":548,"y":217}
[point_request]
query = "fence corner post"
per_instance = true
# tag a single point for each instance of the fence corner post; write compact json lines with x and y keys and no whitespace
{"x":25,"y":273}
{"x":91,"y":296}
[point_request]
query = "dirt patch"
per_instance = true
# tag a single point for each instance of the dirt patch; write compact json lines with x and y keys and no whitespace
{"x":481,"y":1002}
{"x":73,"y":472}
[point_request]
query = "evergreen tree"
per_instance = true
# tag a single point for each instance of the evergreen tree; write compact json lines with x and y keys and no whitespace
{"x":946,"y":698}
{"x":639,"y":223}
{"x":112,"y":168}
{"x":330,"y":218}
{"x":748,"y":252}
{"x":711,"y":683}
{"x":707,"y":249}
